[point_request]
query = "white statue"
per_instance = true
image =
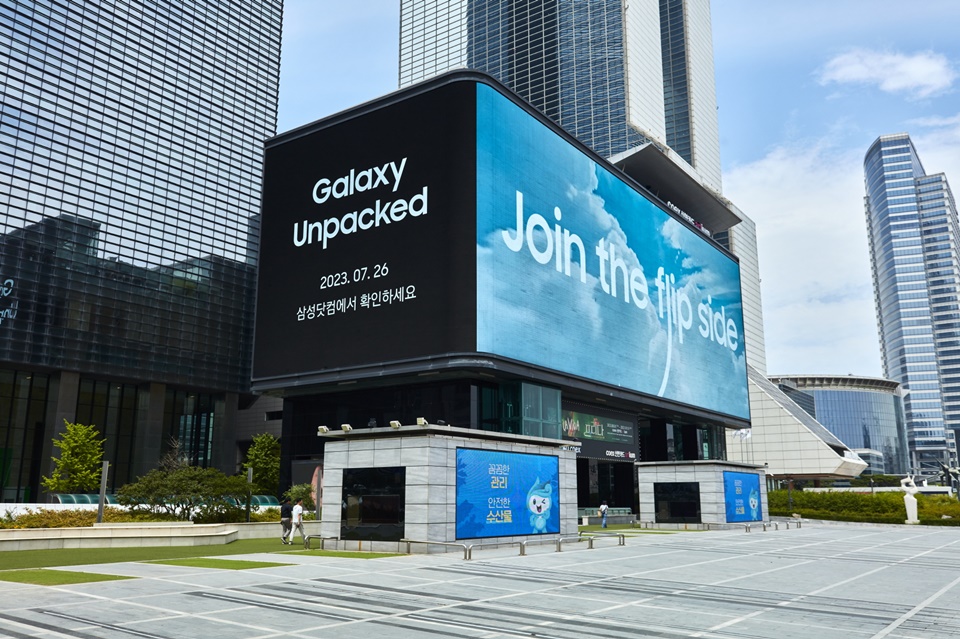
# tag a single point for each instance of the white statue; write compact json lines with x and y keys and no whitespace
{"x":910,"y":489}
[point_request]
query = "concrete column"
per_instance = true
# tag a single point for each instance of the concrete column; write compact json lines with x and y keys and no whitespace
{"x":64,"y":407}
{"x":224,"y":453}
{"x":148,"y":435}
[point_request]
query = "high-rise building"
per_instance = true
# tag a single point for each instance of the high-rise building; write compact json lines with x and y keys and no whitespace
{"x":635,"y":82}
{"x":612,"y":73}
{"x":914,"y":242}
{"x":131,"y":142}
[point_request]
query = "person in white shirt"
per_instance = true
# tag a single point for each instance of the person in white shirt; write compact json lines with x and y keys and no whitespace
{"x":603,"y":515}
{"x":298,"y":520}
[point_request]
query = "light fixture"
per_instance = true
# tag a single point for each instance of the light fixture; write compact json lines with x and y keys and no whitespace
{"x":372,"y":422}
{"x":346,"y":428}
{"x":440,"y":422}
{"x":394,"y":424}
{"x":322,"y":429}
{"x":422,"y":422}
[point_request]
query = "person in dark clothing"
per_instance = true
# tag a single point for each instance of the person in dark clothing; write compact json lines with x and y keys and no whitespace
{"x":286,"y":521}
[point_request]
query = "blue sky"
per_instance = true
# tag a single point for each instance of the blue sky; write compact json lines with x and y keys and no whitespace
{"x":803,"y":89}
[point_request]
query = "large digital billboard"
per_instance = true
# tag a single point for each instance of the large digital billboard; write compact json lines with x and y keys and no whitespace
{"x":367,"y":234}
{"x":451,"y":220}
{"x":741,"y":493}
{"x":601,"y":437}
{"x":503,"y":494}
{"x":579,"y":272}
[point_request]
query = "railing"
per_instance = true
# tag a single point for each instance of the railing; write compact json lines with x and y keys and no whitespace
{"x":559,"y":541}
{"x":467,"y":548}
{"x":622,"y":539}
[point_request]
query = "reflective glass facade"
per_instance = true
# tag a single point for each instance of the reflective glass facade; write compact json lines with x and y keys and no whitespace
{"x":866,"y":414}
{"x":614,"y":74}
{"x":914,"y":235}
{"x":130,"y":155}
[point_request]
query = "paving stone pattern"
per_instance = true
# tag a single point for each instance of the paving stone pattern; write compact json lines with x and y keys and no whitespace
{"x":819,"y":582}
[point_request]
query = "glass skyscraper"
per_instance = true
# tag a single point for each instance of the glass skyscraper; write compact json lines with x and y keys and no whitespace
{"x":612,"y":73}
{"x":618,"y":76}
{"x":130,"y":161}
{"x":635,"y":82}
{"x":915,"y":252}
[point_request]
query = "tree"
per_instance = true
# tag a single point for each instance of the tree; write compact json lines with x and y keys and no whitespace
{"x":264,"y":458}
{"x":174,"y":458}
{"x":78,"y":468}
{"x":301,"y":491}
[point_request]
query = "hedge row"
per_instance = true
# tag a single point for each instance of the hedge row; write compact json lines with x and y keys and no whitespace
{"x":77,"y":518}
{"x":885,"y":507}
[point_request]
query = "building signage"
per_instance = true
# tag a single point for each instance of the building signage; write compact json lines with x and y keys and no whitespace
{"x":454,"y":221}
{"x":365,"y":240}
{"x":505,"y":494}
{"x":741,"y":493}
{"x":8,"y":304}
{"x":579,"y":272}
{"x":601,"y":437}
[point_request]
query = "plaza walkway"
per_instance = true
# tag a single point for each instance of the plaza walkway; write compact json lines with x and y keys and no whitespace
{"x":820,"y":582}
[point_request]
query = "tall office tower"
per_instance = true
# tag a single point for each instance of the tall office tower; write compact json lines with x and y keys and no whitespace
{"x":130,"y":161}
{"x":619,"y":76}
{"x":614,"y":74}
{"x":634,"y":81}
{"x":915,"y":252}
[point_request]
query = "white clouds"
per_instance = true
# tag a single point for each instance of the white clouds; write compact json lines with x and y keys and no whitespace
{"x":807,"y":202}
{"x":920,"y":75}
{"x":938,"y":144}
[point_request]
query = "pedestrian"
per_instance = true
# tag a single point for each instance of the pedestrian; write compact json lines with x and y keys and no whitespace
{"x":298,"y":521}
{"x":286,"y":521}
{"x":603,"y":514}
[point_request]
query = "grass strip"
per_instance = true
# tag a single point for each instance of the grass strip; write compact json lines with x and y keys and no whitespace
{"x":82,"y":556}
{"x":629,"y":530}
{"x":44,"y":577}
{"x":349,"y":554}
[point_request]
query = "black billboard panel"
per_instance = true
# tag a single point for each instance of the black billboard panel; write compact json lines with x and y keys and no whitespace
{"x":451,"y":218}
{"x":367,"y":238}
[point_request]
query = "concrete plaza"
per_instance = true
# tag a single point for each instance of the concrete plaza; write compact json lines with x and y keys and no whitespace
{"x":819,"y":581}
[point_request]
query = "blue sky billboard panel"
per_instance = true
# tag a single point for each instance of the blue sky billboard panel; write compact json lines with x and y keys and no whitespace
{"x":579,"y":272}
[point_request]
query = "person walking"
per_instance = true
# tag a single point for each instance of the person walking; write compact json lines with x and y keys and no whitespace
{"x":603,"y":514}
{"x":286,"y":521}
{"x":298,"y":521}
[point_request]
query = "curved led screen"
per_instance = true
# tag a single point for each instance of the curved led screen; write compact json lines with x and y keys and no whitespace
{"x":579,"y":272}
{"x":452,"y":220}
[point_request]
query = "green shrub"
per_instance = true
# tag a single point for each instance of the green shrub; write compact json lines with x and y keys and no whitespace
{"x":881,"y":507}
{"x":265,"y":514}
{"x":205,"y":495}
{"x":68,"y":518}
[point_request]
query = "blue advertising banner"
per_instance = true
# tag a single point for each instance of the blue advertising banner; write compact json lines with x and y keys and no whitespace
{"x":741,"y":493}
{"x":579,"y":272}
{"x":503,"y":494}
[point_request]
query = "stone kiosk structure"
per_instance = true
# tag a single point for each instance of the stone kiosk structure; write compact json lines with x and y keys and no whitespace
{"x":381,"y":485}
{"x":701,"y":492}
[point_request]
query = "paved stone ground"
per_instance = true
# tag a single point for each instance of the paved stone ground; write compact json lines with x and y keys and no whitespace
{"x":820,"y":582}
